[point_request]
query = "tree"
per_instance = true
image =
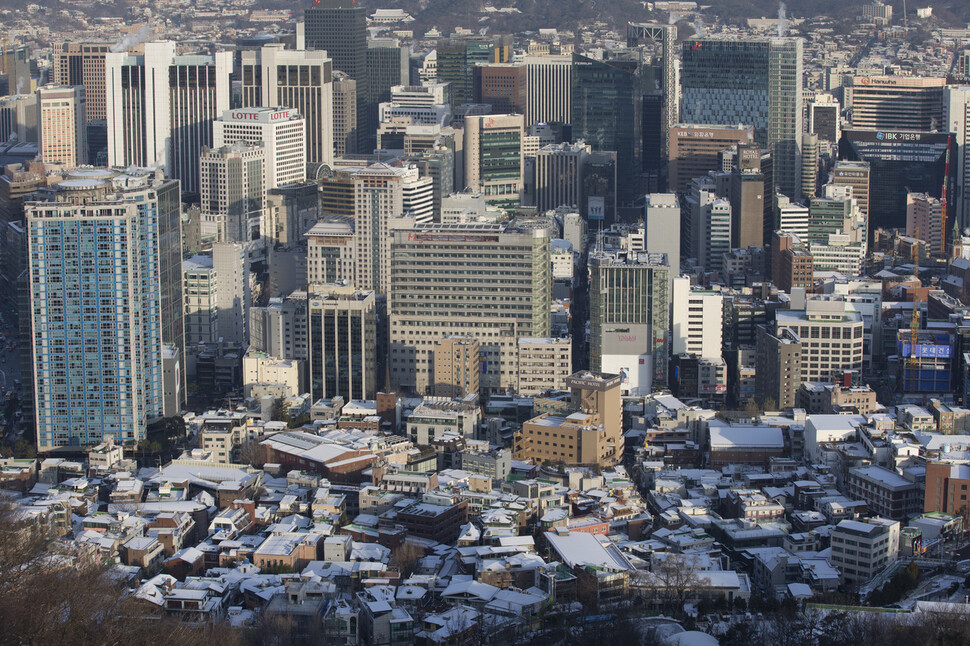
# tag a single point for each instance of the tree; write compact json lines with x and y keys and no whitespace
{"x":676,"y":577}
{"x":751,"y":409}
{"x":406,"y":556}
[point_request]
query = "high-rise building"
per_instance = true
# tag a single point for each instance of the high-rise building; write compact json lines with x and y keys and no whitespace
{"x":493,"y":157}
{"x":344,"y":115}
{"x":388,"y":65}
{"x":18,"y":117}
{"x":61,"y":125}
{"x":444,"y":282}
{"x":924,"y":221}
{"x":330,"y":251}
{"x":606,"y":115}
{"x":233,"y":190}
{"x":661,"y":220}
{"x":895,"y":102}
{"x":628,"y":318}
{"x":97,"y":345}
{"x":83,"y":64}
{"x":956,"y":119}
{"x":549,"y":88}
{"x":833,"y":332}
{"x":201,"y":289}
{"x":456,"y":367}
{"x":559,"y":175}
{"x":791,"y":265}
{"x":230,"y":260}
{"x":779,"y":366}
{"x":854,"y":174}
{"x":757,"y":82}
{"x":706,"y":224}
{"x":340,"y":28}
{"x":693,"y":150}
{"x":504,"y":86}
{"x":791,"y":217}
{"x":825,"y":118}
{"x":302,"y":80}
{"x":160,"y":108}
{"x":15,"y":66}
{"x":457,"y":58}
{"x":343,"y":354}
{"x":697,"y":317}
{"x":747,"y":198}
{"x":810,"y":153}
{"x":904,"y":162}
{"x":282,"y":134}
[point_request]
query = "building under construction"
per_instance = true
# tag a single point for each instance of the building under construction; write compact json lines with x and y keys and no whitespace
{"x":925,"y":366}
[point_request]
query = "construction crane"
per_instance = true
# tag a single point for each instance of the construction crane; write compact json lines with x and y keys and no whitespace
{"x":914,"y":323}
{"x":943,"y":192}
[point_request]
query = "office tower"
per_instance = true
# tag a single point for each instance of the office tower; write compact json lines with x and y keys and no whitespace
{"x":661,"y":219}
{"x":457,"y":58}
{"x":290,"y":212}
{"x":302,"y":80}
{"x":697,"y":317}
{"x":904,"y":162}
{"x":456,"y":367}
{"x":493,"y":157}
{"x":83,"y":64}
{"x":97,"y":344}
{"x":344,"y":115}
{"x":693,"y":150}
{"x":438,"y":163}
{"x":895,"y":102}
{"x":17,"y":185}
{"x":384,"y":198}
{"x":791,"y":265}
{"x":924,"y":221}
{"x":836,"y":211}
{"x":598,"y":206}
{"x":281,"y":329}
{"x":343,"y":354}
{"x":444,"y":282}
{"x":829,"y":326}
{"x":653,"y":141}
{"x":664,"y":87}
{"x":854,"y":174}
{"x":282,"y":133}
{"x":15,"y":66}
{"x":201,"y":289}
{"x":779,"y":366}
{"x":417,"y":104}
{"x":233,"y":191}
{"x":791,"y":217}
{"x":606,"y":115}
{"x":825,"y":118}
{"x":18,"y":117}
{"x":628,"y":318}
{"x":810,"y":154}
{"x":757,"y":82}
{"x":330,"y":251}
{"x":956,"y":119}
{"x":503,"y":86}
{"x":61,"y":121}
{"x":97,"y":139}
{"x":559,"y":175}
{"x":340,"y":28}
{"x":160,"y":108}
{"x":549,"y":88}
{"x":706,"y":225}
{"x":388,"y":65}
{"x":747,"y":198}
{"x":230,"y":261}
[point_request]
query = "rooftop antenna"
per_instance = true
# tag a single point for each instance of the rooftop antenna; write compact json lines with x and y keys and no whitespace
{"x":905,"y":18}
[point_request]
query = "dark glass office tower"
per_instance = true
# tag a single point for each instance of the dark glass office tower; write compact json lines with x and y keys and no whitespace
{"x":606,"y":115}
{"x":340,"y":27}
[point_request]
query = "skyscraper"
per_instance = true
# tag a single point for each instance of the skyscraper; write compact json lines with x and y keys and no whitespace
{"x":340,"y":28}
{"x":457,"y":58}
{"x":559,"y":175}
{"x":83,"y":64}
{"x":956,"y":119}
{"x":99,"y":319}
{"x":160,"y":108}
{"x":62,"y":125}
{"x":344,"y":115}
{"x":343,"y":355}
{"x":504,"y":86}
{"x":757,"y":82}
{"x":490,"y":282}
{"x":549,"y":81}
{"x":282,"y":134}
{"x":388,"y":65}
{"x":895,"y":102}
{"x":606,"y":115}
{"x":628,"y":318}
{"x":493,"y":157}
{"x":232,"y":182}
{"x":274,"y":77}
